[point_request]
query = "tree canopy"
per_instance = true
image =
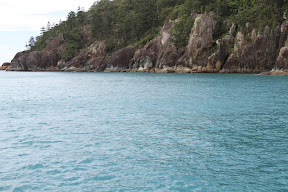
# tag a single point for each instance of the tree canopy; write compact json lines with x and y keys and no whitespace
{"x":126,"y":22}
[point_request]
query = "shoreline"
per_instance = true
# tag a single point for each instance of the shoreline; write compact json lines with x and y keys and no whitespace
{"x":264,"y":73}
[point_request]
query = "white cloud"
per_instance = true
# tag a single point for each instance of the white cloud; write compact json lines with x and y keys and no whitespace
{"x":30,"y":15}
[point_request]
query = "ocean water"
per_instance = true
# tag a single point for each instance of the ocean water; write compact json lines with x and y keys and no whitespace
{"x":143,"y":132}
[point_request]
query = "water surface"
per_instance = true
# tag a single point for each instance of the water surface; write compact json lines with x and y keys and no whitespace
{"x":143,"y":132}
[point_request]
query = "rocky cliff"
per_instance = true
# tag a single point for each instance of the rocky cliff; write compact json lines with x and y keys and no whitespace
{"x":254,"y":52}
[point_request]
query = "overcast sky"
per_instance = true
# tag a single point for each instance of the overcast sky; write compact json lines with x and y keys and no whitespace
{"x":19,"y":20}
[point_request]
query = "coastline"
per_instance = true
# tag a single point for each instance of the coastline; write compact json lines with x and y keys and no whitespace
{"x":273,"y":72}
{"x":266,"y":53}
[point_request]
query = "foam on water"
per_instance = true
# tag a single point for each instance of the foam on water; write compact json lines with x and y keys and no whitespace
{"x":143,"y":132}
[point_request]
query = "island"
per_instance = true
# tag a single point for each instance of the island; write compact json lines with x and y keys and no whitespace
{"x":164,"y":36}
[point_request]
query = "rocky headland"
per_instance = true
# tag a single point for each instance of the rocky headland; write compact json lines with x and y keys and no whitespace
{"x":256,"y":52}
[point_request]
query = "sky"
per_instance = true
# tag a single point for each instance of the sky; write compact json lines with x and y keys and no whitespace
{"x":19,"y":20}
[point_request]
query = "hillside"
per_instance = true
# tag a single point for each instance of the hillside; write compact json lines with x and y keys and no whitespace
{"x":247,"y":36}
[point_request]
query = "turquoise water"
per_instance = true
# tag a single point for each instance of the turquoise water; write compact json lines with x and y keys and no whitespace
{"x":143,"y":132}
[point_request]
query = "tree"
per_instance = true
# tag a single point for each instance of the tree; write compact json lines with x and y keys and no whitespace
{"x":73,"y":44}
{"x":97,"y":24}
{"x":182,"y":30}
{"x":31,"y":43}
{"x":71,"y":20}
{"x":42,"y":30}
{"x":146,"y":17}
{"x":48,"y":27}
{"x":81,"y":16}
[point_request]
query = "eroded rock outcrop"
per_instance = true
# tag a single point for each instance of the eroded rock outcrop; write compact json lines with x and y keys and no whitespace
{"x":159,"y":55}
{"x":90,"y":59}
{"x":282,"y":59}
{"x":39,"y":60}
{"x":255,"y":53}
{"x":145,"y":58}
{"x":5,"y":66}
{"x":200,"y":42}
{"x":218,"y":59}
{"x":121,"y":60}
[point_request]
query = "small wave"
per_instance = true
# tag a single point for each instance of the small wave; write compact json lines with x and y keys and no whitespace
{"x":35,"y":166}
{"x":103,"y":178}
{"x":53,"y":172}
{"x":87,"y":161}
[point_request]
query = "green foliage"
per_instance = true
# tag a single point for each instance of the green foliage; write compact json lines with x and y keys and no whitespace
{"x":73,"y":44}
{"x":258,"y":13}
{"x":221,"y":29}
{"x":149,"y":35}
{"x":71,"y":30}
{"x":182,"y":30}
{"x":126,"y":22}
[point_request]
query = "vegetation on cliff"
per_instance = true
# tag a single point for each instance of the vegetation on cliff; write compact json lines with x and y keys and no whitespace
{"x":121,"y":23}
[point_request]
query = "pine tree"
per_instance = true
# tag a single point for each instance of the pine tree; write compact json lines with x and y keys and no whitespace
{"x":42,"y":30}
{"x":48,"y":27}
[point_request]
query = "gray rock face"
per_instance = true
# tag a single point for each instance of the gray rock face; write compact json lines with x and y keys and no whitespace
{"x":157,"y":55}
{"x":200,"y":42}
{"x":145,"y":58}
{"x":19,"y":62}
{"x":38,"y":60}
{"x":218,"y":59}
{"x":90,"y":59}
{"x":256,"y":53}
{"x":121,"y":60}
{"x":282,"y":59}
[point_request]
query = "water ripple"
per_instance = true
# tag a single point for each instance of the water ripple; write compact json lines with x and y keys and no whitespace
{"x":143,"y":132}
